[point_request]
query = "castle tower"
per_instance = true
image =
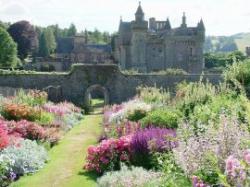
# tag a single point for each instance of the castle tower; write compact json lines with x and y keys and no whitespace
{"x":138,"y":41}
{"x":184,"y":21}
{"x":139,"y":15}
{"x":168,"y":25}
{"x":201,"y":30}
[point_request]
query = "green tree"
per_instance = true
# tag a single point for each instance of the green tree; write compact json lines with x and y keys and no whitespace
{"x":8,"y":50}
{"x":43,"y":47}
{"x":50,"y":39}
{"x":72,"y":30}
{"x":47,"y":42}
{"x":97,"y":36}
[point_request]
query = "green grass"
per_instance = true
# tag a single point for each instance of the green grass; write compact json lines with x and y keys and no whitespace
{"x":67,"y":159}
{"x":97,"y":102}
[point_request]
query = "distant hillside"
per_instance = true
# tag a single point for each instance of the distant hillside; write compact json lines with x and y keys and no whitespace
{"x":227,"y":43}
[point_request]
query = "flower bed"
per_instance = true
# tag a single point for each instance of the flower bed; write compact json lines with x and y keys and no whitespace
{"x":28,"y":122}
{"x":199,"y":137}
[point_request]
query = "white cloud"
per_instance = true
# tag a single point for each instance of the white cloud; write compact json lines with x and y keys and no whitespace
{"x":221,"y":17}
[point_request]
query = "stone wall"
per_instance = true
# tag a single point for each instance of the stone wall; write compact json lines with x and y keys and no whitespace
{"x":73,"y":85}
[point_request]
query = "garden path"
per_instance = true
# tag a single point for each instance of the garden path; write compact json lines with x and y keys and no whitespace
{"x":64,"y":168}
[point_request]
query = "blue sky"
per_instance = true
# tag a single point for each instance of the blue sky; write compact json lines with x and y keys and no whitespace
{"x":221,"y":17}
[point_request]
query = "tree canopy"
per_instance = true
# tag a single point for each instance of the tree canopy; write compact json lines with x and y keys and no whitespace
{"x":25,"y":36}
{"x":47,"y":42}
{"x":8,"y":50}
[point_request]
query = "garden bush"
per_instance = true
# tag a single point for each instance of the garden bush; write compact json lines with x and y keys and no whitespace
{"x":221,"y":104}
{"x":31,"y":97}
{"x":6,"y":174}
{"x":46,"y":118}
{"x":4,"y":139}
{"x":27,"y":157}
{"x":238,"y":74}
{"x":203,"y":154}
{"x":123,"y":129}
{"x":108,"y":154}
{"x":136,"y":114}
{"x":173,"y":175}
{"x":162,"y":117}
{"x":27,"y":130}
{"x":145,"y":142}
{"x":192,"y":94}
{"x":153,"y":95}
{"x":132,"y":177}
{"x":134,"y":108}
{"x":12,"y":111}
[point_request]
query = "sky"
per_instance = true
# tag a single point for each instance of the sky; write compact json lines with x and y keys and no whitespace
{"x":221,"y":17}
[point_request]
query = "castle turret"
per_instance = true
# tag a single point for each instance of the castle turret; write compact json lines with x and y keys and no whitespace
{"x":139,"y":15}
{"x":201,"y":26}
{"x":184,"y":21}
{"x":201,"y":30}
{"x":168,"y":25}
{"x":139,"y":29}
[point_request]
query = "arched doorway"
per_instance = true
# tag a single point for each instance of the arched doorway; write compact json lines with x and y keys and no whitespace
{"x":96,"y":96}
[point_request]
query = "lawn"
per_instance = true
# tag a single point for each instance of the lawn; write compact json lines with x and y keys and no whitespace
{"x":66,"y":159}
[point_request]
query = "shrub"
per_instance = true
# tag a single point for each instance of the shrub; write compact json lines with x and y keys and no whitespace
{"x":28,"y":157}
{"x":27,"y":130}
{"x":61,"y":109}
{"x":133,"y":177}
{"x":237,"y":169}
{"x":72,"y":119}
{"x":238,"y":73}
{"x":173,"y":175}
{"x":147,"y":141}
{"x":203,"y":154}
{"x":18,"y":112}
{"x":136,"y":114}
{"x":192,"y":94}
{"x":153,"y":140}
{"x":153,"y":95}
{"x":52,"y":135}
{"x":46,"y":118}
{"x":108,"y":154}
{"x":4,"y":139}
{"x":6,"y":174}
{"x":31,"y":98}
{"x":134,"y":109}
{"x":165,"y":118}
{"x":123,"y":129}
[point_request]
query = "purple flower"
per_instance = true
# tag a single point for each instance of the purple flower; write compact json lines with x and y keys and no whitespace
{"x":153,"y":140}
{"x":12,"y":176}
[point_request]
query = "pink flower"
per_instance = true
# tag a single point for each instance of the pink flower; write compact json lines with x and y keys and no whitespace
{"x":232,"y":166}
{"x":247,"y":156}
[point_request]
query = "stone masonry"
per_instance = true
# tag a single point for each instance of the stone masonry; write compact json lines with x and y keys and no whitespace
{"x":73,"y":86}
{"x":155,"y":45}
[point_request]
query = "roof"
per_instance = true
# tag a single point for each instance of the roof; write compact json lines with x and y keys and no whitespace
{"x":189,"y":31}
{"x":104,"y":48}
{"x":65,"y":45}
{"x":139,"y":10}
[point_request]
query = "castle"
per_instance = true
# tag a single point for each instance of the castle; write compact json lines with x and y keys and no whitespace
{"x":155,"y":45}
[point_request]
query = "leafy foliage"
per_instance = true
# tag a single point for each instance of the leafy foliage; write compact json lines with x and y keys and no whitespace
{"x":133,"y":177}
{"x":28,"y":157}
{"x":213,"y":60}
{"x":8,"y":50}
{"x":25,"y":36}
{"x":166,"y":118}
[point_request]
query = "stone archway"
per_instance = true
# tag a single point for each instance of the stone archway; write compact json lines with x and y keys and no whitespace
{"x":99,"y":88}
